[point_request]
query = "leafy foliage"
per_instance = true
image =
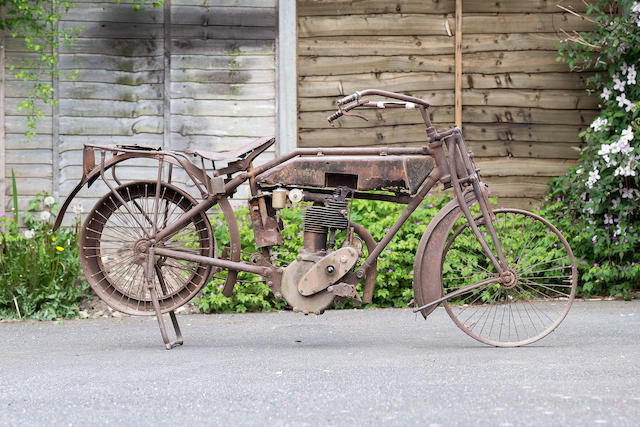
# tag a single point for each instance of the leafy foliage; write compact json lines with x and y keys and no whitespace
{"x":600,"y":196}
{"x":39,"y":269}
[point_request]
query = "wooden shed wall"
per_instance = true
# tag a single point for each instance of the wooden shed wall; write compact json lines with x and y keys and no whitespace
{"x":211,"y":86}
{"x":522,"y":110}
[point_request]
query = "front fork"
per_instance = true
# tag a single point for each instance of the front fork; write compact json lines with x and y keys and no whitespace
{"x":456,"y":145}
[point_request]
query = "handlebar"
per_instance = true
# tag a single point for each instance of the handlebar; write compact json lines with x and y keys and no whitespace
{"x":349,"y":98}
{"x":408,"y":102}
{"x":399,"y":96}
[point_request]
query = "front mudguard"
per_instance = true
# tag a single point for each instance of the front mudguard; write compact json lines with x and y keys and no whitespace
{"x":427,"y":267}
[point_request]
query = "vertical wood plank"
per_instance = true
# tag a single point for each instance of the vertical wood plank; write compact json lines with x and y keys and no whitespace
{"x":458,"y":62}
{"x":166,"y":137}
{"x":55,"y":121}
{"x":3,"y":172}
{"x":286,"y":78}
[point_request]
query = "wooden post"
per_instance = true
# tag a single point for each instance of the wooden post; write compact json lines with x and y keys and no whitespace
{"x":286,"y":78}
{"x":458,"y":61}
{"x":3,"y":172}
{"x":55,"y":120}
{"x":166,"y":92}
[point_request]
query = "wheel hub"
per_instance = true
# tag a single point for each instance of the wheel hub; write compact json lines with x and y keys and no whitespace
{"x":140,"y":249}
{"x":509,"y":279}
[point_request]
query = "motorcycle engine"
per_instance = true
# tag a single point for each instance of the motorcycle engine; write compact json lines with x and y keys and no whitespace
{"x":315,"y":266}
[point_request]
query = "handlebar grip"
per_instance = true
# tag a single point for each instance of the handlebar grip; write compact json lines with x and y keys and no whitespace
{"x":335,"y":115}
{"x":350,"y":98}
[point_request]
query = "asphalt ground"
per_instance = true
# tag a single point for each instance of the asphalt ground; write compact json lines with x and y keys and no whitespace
{"x":364,"y":367}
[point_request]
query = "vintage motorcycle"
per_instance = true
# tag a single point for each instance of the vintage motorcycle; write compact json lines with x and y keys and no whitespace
{"x":506,"y":277}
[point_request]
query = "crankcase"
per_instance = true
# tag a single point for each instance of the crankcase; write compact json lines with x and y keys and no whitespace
{"x":291,"y":277}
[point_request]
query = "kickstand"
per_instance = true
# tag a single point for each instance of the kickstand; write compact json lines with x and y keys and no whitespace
{"x":156,"y":305}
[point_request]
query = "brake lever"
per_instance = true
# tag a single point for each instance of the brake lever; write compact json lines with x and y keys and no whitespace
{"x":344,"y":111}
{"x":361,"y":102}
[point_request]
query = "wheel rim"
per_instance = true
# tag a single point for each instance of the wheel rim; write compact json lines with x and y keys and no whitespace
{"x":533,"y":297}
{"x":112,"y":248}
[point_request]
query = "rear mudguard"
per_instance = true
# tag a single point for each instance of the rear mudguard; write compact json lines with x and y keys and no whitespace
{"x":92,"y":172}
{"x":427,"y":267}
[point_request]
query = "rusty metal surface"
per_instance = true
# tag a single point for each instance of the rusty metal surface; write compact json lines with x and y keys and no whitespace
{"x":266,"y":230}
{"x":363,"y":173}
{"x":328,"y":270}
{"x":314,"y":304}
{"x":115,"y":287}
{"x":427,"y":277}
{"x":259,"y":145}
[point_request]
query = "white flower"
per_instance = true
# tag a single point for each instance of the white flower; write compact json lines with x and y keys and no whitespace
{"x":77,"y":209}
{"x":622,"y":100}
{"x":615,"y":202}
{"x":627,"y":193}
{"x":625,"y":170}
{"x":594,"y":176}
{"x":631,"y":75}
{"x":606,"y":93}
{"x":624,"y":67}
{"x":635,"y":8}
{"x":28,"y":234}
{"x":45,"y":216}
{"x":627,"y":134}
{"x":608,"y":219}
{"x":600,"y":124}
{"x":617,"y":83}
{"x":618,"y":231}
{"x":49,"y":201}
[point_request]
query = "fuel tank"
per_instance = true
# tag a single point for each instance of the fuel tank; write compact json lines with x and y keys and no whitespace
{"x":401,"y":174}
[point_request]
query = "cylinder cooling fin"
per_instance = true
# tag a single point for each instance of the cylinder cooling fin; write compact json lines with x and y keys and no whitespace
{"x":317,"y":219}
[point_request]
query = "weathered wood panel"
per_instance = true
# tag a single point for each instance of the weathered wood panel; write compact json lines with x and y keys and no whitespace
{"x":427,"y":24}
{"x":444,"y":115}
{"x":551,"y":99}
{"x":196,"y":90}
{"x":480,"y":62}
{"x":223,"y":108}
{"x":206,"y":77}
{"x":325,"y":86}
{"x":222,"y":32}
{"x":522,"y":109}
{"x":347,"y":7}
{"x":416,"y":45}
{"x":400,"y":134}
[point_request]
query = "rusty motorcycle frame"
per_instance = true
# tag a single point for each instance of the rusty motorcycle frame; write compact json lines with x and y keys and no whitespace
{"x":506,"y":277}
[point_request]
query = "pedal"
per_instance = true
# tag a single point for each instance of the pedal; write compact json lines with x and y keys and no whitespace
{"x":346,"y":291}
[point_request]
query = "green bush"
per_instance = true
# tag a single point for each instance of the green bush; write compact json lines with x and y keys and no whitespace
{"x":39,"y":269}
{"x":597,"y":201}
{"x":609,"y":266}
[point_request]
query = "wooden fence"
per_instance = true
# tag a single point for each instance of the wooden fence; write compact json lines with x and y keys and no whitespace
{"x":522,"y":109}
{"x":190,"y":74}
{"x":201,"y":74}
